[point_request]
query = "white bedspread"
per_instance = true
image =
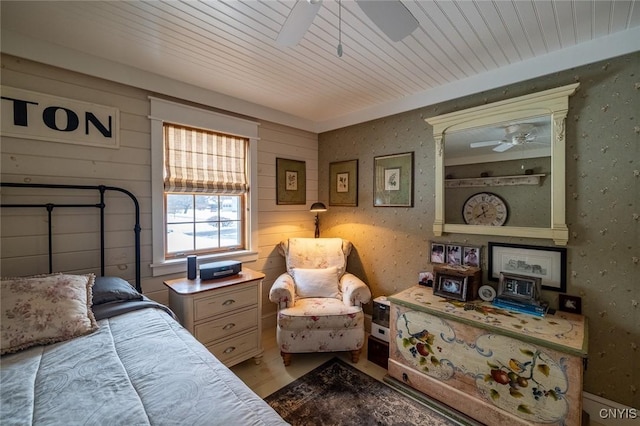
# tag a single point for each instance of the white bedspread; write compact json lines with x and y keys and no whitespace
{"x":139,"y":368}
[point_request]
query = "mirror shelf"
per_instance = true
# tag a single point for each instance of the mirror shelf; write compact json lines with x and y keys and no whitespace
{"x":550,"y":106}
{"x":533,"y":179}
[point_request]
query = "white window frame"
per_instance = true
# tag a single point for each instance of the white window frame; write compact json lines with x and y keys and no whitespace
{"x":172,"y":112}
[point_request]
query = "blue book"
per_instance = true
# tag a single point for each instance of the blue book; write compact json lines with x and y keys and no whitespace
{"x":520,"y":307}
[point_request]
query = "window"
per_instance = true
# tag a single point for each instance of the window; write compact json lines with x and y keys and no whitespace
{"x":204,"y":165}
{"x":205,"y":183}
{"x":199,"y":224}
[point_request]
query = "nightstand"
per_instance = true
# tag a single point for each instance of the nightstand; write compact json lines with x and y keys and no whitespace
{"x":224,"y":314}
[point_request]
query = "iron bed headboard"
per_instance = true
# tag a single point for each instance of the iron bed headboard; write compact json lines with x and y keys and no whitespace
{"x":101,"y":205}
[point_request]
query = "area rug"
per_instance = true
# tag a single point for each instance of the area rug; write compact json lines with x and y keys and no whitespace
{"x":338,"y":394}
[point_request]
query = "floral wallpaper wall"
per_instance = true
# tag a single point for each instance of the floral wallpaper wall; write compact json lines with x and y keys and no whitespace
{"x":391,"y":245}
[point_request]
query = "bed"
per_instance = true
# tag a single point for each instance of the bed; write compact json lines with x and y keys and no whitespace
{"x":84,"y":348}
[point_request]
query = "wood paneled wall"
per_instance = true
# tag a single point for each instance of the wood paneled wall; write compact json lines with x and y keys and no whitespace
{"x":129,"y":166}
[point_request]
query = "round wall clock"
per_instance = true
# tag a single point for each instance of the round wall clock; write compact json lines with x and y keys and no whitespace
{"x":485,"y":208}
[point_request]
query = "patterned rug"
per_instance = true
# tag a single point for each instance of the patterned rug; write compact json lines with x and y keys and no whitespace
{"x":338,"y":394}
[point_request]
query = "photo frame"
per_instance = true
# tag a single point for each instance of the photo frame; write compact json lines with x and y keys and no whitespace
{"x":425,"y":278}
{"x":393,"y":180}
{"x":547,"y":263}
{"x":472,"y":256}
{"x":520,"y":288}
{"x":291,"y":181}
{"x":437,"y":253}
{"x":454,"y":254}
{"x":572,"y":304}
{"x":343,"y":183}
{"x":450,"y":287}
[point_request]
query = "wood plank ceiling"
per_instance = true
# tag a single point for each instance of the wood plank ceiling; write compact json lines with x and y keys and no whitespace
{"x":229,"y":47}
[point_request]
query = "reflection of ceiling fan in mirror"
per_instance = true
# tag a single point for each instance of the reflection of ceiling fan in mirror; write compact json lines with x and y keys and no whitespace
{"x":515,"y":135}
{"x":390,"y":16}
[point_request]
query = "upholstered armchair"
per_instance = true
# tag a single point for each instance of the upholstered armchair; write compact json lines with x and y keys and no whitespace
{"x":319,"y":303}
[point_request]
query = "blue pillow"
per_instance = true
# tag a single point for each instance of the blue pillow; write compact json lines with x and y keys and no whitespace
{"x":113,"y":289}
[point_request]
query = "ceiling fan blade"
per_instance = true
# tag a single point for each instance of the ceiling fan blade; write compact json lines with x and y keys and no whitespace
{"x":503,"y":147}
{"x":298,"y":22}
{"x":485,"y":143}
{"x":391,"y":16}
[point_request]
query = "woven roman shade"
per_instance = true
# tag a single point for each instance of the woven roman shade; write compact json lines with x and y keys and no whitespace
{"x":203,"y":161}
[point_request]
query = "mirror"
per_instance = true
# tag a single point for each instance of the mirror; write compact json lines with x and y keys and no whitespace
{"x":496,"y":162}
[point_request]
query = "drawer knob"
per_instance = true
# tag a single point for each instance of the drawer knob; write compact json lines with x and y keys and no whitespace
{"x":229,"y":349}
{"x":228,"y":302}
{"x":229,"y":326}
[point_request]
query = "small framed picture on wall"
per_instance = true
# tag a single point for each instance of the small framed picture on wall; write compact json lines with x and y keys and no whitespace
{"x":454,"y":255}
{"x":343,"y":183}
{"x":471,"y":256}
{"x":437,"y":253}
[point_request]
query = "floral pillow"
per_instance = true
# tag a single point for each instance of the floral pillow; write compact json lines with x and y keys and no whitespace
{"x":44,"y":309}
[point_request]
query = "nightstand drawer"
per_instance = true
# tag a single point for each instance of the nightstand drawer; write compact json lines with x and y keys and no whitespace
{"x":222,"y":302}
{"x":235,"y":347}
{"x":226,"y":326}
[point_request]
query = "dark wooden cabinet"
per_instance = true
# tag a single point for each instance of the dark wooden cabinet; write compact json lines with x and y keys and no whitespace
{"x":378,"y":352}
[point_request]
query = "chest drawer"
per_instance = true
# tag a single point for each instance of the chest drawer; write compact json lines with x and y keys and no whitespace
{"x":238,"y":346}
{"x":221,"y":302}
{"x":226,"y":326}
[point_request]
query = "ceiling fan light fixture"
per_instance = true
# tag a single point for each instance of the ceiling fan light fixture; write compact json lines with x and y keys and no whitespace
{"x":519,"y":139}
{"x":391,"y":17}
{"x":519,"y":128}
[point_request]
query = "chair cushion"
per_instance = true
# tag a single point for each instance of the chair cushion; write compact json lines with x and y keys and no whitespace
{"x":320,"y":313}
{"x":317,"y":282}
{"x":317,"y":253}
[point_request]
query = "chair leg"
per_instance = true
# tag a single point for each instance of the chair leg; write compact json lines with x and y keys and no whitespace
{"x":355,"y":356}
{"x":286,"y":358}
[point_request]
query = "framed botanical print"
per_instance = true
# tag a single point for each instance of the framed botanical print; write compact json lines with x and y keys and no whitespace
{"x":291,"y":181}
{"x":393,"y":180}
{"x":343,"y":183}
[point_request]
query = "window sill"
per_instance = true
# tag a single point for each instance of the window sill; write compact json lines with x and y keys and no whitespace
{"x":175,"y":266}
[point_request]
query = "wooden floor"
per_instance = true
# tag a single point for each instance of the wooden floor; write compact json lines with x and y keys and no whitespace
{"x":271,"y":374}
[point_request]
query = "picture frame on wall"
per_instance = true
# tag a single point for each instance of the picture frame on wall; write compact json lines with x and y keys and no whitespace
{"x":291,"y":181}
{"x":343,"y":183}
{"x":547,"y":263}
{"x":437,"y":253}
{"x":393,"y":180}
{"x":454,"y":254}
{"x":472,"y":256}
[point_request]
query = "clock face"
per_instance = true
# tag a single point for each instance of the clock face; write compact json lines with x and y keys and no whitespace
{"x":485,"y":208}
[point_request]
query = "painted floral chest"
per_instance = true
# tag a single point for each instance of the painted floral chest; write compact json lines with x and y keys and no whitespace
{"x":496,"y":366}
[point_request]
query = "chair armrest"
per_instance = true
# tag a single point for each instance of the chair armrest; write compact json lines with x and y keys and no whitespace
{"x":354,"y":291}
{"x":283,"y":291}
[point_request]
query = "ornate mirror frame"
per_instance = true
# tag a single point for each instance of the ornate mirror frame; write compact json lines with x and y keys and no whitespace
{"x":553,"y":102}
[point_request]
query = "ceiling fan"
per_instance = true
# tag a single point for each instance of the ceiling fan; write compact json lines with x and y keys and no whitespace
{"x":515,"y":135}
{"x":390,"y":16}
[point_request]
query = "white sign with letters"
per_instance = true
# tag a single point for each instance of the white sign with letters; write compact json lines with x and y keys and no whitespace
{"x":32,"y":115}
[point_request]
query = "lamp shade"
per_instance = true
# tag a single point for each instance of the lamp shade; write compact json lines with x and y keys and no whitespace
{"x":318,"y":207}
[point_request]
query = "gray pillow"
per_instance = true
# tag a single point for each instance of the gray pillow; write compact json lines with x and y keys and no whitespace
{"x":113,"y":289}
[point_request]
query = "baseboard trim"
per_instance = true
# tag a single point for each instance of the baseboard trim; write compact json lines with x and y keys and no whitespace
{"x":605,"y":411}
